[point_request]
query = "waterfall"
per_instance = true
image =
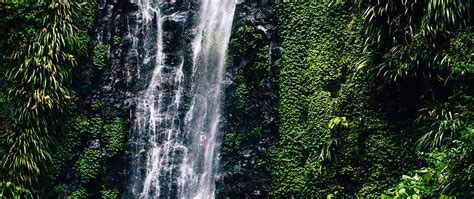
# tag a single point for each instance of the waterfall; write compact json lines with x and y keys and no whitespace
{"x":174,"y":139}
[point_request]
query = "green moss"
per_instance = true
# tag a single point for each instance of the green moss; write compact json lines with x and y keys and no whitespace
{"x":86,"y":15}
{"x":235,"y":140}
{"x":251,"y":109}
{"x":244,"y":39}
{"x":79,"y":193}
{"x":58,"y":190}
{"x":72,"y":154}
{"x":84,"y":22}
{"x":99,"y":57}
{"x":117,"y":40}
{"x":96,"y":105}
{"x":232,"y":143}
{"x":262,"y":59}
{"x":89,"y":128}
{"x":318,"y":83}
{"x":241,"y":93}
{"x":89,"y":165}
{"x":69,"y":142}
{"x":114,"y":137}
{"x":109,"y":194}
{"x":83,"y":43}
{"x":96,"y":127}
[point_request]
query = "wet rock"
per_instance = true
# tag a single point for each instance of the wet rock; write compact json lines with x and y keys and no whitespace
{"x":244,"y":171}
{"x":94,"y":144}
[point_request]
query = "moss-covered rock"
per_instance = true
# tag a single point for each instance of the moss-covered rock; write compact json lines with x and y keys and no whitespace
{"x":250,"y":103}
{"x":109,"y":194}
{"x":318,"y":82}
{"x":79,"y":193}
{"x":114,"y":137}
{"x":89,"y":164}
{"x":99,"y":57}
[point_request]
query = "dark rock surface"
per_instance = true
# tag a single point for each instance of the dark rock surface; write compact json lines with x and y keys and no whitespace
{"x":104,"y":92}
{"x":245,"y":169}
{"x":108,"y":86}
{"x":121,"y":29}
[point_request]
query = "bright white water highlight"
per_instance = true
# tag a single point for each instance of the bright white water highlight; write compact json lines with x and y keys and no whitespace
{"x":174,"y":143}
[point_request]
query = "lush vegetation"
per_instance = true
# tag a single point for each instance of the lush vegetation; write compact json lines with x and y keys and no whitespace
{"x":38,"y":78}
{"x":375,"y":98}
{"x":48,"y":132}
{"x":336,"y":136}
{"x":431,"y":46}
{"x":250,"y":111}
{"x":368,"y":98}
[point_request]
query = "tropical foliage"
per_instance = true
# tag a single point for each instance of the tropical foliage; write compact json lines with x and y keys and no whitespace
{"x":37,"y":58}
{"x":365,"y":98}
{"x":429,"y":43}
{"x":39,"y":79}
{"x":401,"y":78}
{"x":408,"y":39}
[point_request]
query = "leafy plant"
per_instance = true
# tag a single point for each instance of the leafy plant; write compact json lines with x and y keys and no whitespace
{"x":9,"y":190}
{"x":407,"y":39}
{"x":99,"y":57}
{"x":338,"y":122}
{"x":460,"y":55}
{"x":39,"y":76}
{"x":109,"y":193}
{"x":79,"y":193}
{"x":114,"y":137}
{"x":442,"y":124}
{"x":428,"y":42}
{"x":89,"y":165}
{"x":413,"y":186}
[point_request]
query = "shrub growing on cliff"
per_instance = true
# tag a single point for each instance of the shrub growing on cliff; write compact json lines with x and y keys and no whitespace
{"x":109,"y":193}
{"x":40,"y":75}
{"x":425,"y":43}
{"x":100,"y":56}
{"x":114,"y":137}
{"x":79,"y":193}
{"x":89,"y":165}
{"x":408,"y":40}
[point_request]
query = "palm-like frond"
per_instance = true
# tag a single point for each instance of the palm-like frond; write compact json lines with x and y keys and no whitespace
{"x":407,"y":38}
{"x":39,"y":92}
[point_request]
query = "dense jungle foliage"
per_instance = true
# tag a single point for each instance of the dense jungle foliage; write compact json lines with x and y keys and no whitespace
{"x":369,"y":99}
{"x":46,"y":128}
{"x":375,"y":98}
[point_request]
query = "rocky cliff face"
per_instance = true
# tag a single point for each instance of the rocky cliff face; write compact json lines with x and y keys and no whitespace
{"x":250,"y":116}
{"x":87,"y":160}
{"x":130,"y":59}
{"x":121,"y":29}
{"x":105,"y":81}
{"x":251,"y":100}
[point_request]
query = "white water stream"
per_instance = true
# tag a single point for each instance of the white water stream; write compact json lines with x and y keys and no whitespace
{"x":174,"y":143}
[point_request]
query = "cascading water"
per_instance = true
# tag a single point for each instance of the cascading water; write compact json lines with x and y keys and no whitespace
{"x":174,"y":139}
